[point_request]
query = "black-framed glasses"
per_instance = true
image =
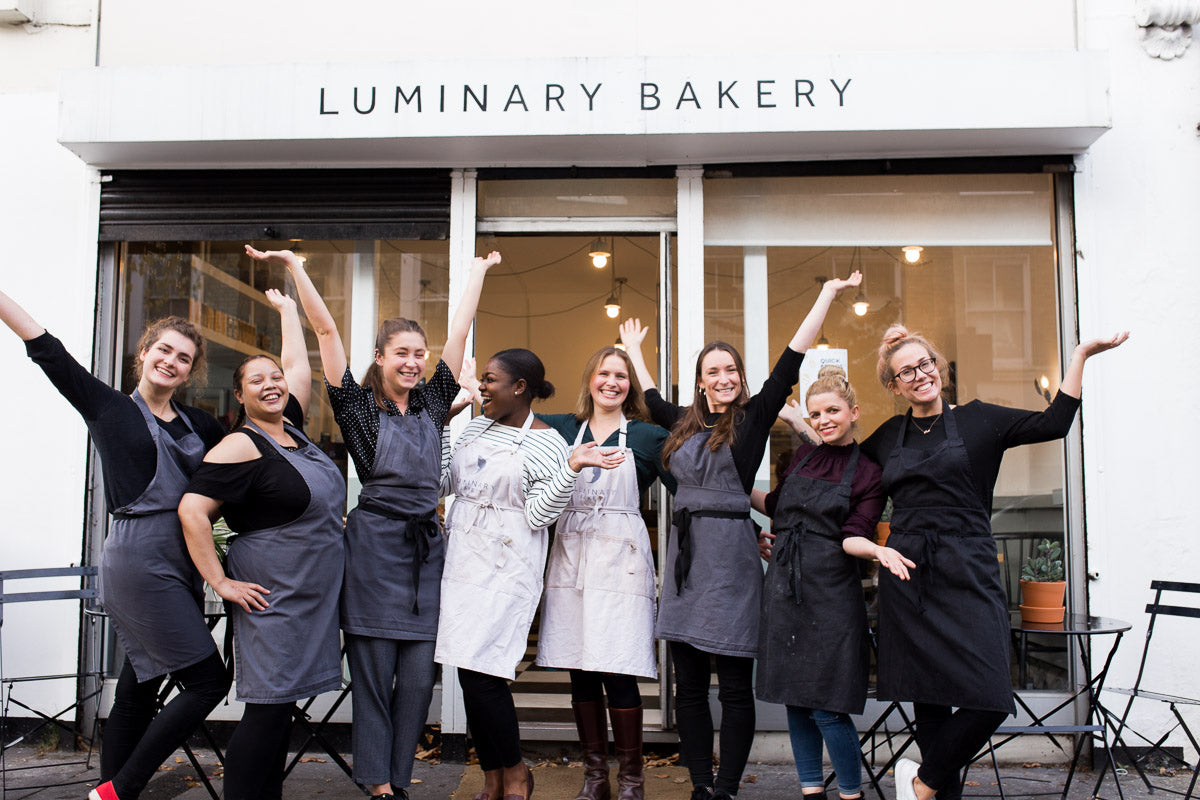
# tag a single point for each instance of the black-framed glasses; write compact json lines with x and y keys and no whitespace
{"x":926,"y":365}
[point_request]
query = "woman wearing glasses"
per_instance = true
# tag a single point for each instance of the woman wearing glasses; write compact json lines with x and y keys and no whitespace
{"x":943,"y":638}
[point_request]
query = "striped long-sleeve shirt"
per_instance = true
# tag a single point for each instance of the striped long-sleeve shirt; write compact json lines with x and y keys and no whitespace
{"x":546,"y":478}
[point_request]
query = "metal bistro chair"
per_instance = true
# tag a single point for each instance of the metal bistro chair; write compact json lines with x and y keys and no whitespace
{"x":89,"y":689}
{"x":1122,"y":730}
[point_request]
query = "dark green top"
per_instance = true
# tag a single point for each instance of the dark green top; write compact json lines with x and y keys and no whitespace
{"x":646,"y":440}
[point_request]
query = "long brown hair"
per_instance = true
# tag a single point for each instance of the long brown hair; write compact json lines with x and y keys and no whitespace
{"x":635,"y":401}
{"x":155,"y":330}
{"x":692,"y":421}
{"x":373,"y":380}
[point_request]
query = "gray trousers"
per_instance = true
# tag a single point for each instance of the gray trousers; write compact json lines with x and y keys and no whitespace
{"x":392,"y":684}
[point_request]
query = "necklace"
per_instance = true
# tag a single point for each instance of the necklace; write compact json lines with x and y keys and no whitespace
{"x":925,"y":430}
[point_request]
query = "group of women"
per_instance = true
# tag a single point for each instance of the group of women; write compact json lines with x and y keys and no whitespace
{"x":407,"y":596}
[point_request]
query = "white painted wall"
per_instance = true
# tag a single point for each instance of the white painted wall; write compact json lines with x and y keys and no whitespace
{"x":59,"y":34}
{"x":48,"y":210}
{"x":1138,"y":199}
{"x":236,"y":31}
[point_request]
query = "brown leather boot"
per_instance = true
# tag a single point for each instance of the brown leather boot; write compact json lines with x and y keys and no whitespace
{"x":593,"y":738}
{"x":627,"y":741}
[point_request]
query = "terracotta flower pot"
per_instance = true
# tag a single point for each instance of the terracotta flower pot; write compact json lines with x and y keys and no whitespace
{"x":882,"y":531}
{"x":1043,"y":601}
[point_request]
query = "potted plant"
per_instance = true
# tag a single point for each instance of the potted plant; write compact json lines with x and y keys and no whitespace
{"x":1042,"y":586}
{"x":883,"y":528}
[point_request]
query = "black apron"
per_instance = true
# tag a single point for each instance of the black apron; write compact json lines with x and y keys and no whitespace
{"x":291,"y":650}
{"x":943,"y":636}
{"x":394,"y":544}
{"x":712,"y":584}
{"x":148,"y":584}
{"x":812,"y":649}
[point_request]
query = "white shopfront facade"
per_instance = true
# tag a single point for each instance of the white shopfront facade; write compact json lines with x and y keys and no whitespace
{"x":734,"y":178}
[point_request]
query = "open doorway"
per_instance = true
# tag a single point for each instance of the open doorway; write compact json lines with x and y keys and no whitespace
{"x":549,"y":296}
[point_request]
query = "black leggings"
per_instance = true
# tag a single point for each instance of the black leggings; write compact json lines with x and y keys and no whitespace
{"x":948,"y":741}
{"x":492,"y":718}
{"x":693,"y":671}
{"x":590,"y":687}
{"x":136,"y":740}
{"x":257,"y":752}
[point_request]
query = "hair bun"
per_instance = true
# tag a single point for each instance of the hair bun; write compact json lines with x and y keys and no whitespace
{"x":832,"y":371}
{"x":545,"y":391}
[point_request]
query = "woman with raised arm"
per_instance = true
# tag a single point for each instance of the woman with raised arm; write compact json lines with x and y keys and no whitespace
{"x":149,"y":446}
{"x":511,"y":478}
{"x":943,"y":636}
{"x":283,"y":498}
{"x":813,"y":654}
{"x":598,"y":610}
{"x":392,"y":427}
{"x":712,"y":591}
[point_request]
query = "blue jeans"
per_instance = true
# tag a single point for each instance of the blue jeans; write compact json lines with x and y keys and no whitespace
{"x":808,"y":727}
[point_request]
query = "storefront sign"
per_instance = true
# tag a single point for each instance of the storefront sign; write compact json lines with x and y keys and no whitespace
{"x":586,"y":111}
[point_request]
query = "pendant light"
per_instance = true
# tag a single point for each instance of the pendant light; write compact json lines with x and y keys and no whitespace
{"x":599,"y":253}
{"x":912,"y":253}
{"x":612,"y":306}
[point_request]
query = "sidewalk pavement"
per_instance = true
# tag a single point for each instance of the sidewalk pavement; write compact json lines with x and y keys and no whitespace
{"x":319,"y":777}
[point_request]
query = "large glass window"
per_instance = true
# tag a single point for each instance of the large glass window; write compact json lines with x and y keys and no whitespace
{"x":216,"y":286}
{"x":982,"y":286}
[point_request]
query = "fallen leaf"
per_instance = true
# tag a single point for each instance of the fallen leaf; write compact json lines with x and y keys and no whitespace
{"x":416,"y":780}
{"x":313,"y":760}
{"x":661,"y":775}
{"x":679,"y":780}
{"x":1032,"y":765}
{"x":970,"y":783}
{"x":751,"y":779}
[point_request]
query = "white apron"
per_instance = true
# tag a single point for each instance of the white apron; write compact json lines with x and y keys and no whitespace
{"x":494,"y":561}
{"x":598,"y":613}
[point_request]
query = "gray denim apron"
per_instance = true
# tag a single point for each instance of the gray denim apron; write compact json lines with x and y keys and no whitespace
{"x":712,"y":583}
{"x":394,"y":545}
{"x":148,"y":584}
{"x":813,"y":641}
{"x":598,"y":610}
{"x":943,"y":636}
{"x":291,"y":650}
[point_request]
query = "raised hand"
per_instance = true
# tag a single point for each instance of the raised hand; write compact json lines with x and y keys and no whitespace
{"x":493,"y":258}
{"x":283,"y":256}
{"x":469,"y":381}
{"x":837,"y":284}
{"x":797,"y":419}
{"x":633,"y":333}
{"x":280,"y":301}
{"x":590,"y":455}
{"x":1091,"y":348}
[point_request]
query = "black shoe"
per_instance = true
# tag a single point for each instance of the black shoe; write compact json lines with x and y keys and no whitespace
{"x":721,"y":794}
{"x":702,"y":793}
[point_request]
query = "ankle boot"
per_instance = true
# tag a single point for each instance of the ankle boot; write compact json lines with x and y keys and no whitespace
{"x":593,"y":738}
{"x":627,"y":738}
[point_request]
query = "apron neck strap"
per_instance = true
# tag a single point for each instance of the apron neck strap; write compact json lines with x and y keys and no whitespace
{"x":621,"y":436}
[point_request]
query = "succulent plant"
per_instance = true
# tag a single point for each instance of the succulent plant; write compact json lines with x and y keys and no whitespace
{"x":1045,"y":563}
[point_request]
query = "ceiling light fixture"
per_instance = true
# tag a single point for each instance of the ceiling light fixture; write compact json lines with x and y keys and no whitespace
{"x":599,"y":253}
{"x":912,"y":253}
{"x":612,"y":306}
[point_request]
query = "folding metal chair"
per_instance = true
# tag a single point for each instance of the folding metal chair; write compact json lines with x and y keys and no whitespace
{"x":88,"y":688}
{"x":1122,"y":730}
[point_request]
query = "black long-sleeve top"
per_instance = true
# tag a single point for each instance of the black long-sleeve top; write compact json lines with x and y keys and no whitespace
{"x":987,"y":430}
{"x":128,"y":457}
{"x":752,"y":426}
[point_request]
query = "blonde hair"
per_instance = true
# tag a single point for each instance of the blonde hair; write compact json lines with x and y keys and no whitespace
{"x":832,"y":380}
{"x":634,"y":406}
{"x":898,"y":336}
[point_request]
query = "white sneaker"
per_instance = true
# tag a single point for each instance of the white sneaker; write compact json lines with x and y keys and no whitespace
{"x":906,"y":773}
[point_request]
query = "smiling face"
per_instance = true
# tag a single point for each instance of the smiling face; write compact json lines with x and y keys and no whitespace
{"x":262,"y":389}
{"x":402,"y":362}
{"x":610,"y":384}
{"x":503,"y":397}
{"x":719,"y":380}
{"x":167,"y":362}
{"x":832,"y":418}
{"x":924,"y":391}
